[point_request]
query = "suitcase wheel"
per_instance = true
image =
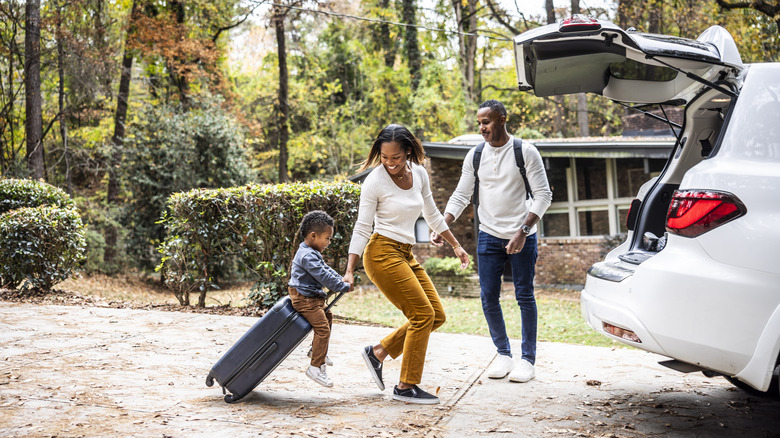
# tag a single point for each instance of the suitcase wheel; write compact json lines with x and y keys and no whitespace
{"x":209,"y":380}
{"x":229,"y":399}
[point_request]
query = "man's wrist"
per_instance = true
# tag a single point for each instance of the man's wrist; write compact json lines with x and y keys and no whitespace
{"x":525,"y":229}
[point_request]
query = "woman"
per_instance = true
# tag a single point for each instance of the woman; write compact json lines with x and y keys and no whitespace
{"x":391,"y":199}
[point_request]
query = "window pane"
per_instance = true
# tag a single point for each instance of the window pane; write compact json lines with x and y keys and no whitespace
{"x":555,"y":224}
{"x":556,"y":175}
{"x":622,"y":215}
{"x":591,"y":178}
{"x":593,"y":223}
{"x":421,"y":232}
{"x":631,"y":174}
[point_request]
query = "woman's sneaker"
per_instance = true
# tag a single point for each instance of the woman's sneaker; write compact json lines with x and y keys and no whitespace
{"x":319,"y":375}
{"x":415,"y":395}
{"x":374,"y":366}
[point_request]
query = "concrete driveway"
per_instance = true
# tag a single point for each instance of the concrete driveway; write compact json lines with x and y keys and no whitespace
{"x":97,"y":371}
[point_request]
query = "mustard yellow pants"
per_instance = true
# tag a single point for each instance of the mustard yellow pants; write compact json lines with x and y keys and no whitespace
{"x":391,"y":266}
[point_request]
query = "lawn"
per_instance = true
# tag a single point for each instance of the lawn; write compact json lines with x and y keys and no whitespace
{"x":559,"y":315}
{"x":559,"y":309}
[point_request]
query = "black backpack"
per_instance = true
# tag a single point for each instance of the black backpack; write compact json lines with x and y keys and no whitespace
{"x":517,"y":146}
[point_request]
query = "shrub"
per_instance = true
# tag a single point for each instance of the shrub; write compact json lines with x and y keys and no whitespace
{"x":174,"y":149}
{"x":41,"y":246}
{"x":252,"y":227}
{"x":18,"y":193}
{"x":447,"y":266}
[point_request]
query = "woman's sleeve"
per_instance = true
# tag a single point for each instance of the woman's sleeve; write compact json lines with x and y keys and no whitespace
{"x":361,"y":233}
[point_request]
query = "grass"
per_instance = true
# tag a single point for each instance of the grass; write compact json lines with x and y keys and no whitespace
{"x":559,"y":315}
{"x":559,"y":310}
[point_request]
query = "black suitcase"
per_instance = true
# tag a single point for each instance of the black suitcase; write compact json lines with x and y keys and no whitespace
{"x":260,"y":350}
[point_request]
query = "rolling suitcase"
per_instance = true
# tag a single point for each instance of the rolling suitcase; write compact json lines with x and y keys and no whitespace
{"x":260,"y":350}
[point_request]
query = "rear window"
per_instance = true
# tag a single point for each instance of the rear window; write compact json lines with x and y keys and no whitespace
{"x":630,"y":69}
{"x":754,"y":127}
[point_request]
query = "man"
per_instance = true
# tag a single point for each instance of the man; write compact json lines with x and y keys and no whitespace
{"x":507,"y":231}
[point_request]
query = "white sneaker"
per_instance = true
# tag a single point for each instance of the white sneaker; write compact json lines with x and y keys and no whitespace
{"x":501,"y":366}
{"x":523,"y":372}
{"x":328,"y":362}
{"x":319,"y":375}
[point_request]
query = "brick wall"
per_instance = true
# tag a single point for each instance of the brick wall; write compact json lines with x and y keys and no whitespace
{"x":565,"y":261}
{"x":444,"y":176}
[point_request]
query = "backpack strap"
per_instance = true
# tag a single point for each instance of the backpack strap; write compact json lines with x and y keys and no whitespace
{"x":477,"y":158}
{"x":518,"y":148}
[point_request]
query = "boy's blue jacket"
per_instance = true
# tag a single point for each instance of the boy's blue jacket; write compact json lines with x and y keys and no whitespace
{"x":310,"y":273}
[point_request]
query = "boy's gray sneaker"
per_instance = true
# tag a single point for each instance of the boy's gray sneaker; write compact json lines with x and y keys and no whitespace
{"x":415,"y":395}
{"x":374,"y":366}
{"x":319,"y":375}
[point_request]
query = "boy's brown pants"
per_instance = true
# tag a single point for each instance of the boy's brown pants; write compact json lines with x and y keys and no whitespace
{"x":313,"y":309}
{"x":391,"y":266}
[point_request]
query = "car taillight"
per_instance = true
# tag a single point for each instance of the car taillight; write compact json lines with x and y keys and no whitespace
{"x":694,"y":212}
{"x":579,"y":23}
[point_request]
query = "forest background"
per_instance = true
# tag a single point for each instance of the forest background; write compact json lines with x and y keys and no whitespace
{"x":123,"y":102}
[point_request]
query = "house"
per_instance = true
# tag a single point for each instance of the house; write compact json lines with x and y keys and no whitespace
{"x":593,"y":181}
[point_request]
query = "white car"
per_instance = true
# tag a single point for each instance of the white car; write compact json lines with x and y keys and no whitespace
{"x":697,"y":279}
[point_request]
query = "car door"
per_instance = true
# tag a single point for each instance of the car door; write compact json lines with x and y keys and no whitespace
{"x":585,"y":55}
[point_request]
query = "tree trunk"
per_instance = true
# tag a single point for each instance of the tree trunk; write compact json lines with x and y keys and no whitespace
{"x":582,"y":100}
{"x":61,"y":99}
{"x":467,"y":45}
{"x":411,"y":47}
{"x":118,"y":138}
{"x":558,"y":110}
{"x":387,"y":44}
{"x":32,"y":88}
{"x":284,"y":108}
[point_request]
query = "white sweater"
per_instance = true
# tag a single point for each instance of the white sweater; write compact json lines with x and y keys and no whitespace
{"x":391,"y":211}
{"x":503,"y":206}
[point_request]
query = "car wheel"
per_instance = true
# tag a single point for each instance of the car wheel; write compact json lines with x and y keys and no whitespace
{"x":772,"y":392}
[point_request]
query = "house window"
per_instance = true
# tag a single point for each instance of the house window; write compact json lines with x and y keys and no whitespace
{"x":591,"y":196}
{"x":593,"y":222}
{"x":421,"y":231}
{"x":633,"y":172}
{"x":591,"y":178}
{"x":556,"y":176}
{"x":555,"y":223}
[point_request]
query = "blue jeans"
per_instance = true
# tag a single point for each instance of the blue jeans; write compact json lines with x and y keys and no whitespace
{"x":492,"y":256}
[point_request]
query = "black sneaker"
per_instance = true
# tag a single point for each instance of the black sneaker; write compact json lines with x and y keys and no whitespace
{"x":374,"y":366}
{"x":415,"y":395}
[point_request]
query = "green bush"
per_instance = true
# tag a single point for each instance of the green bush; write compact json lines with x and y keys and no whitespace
{"x":253,"y":228}
{"x":447,"y":266}
{"x":41,"y":246}
{"x":173,"y":149}
{"x":18,"y":193}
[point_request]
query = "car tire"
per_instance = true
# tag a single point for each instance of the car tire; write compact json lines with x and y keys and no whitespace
{"x":772,"y":392}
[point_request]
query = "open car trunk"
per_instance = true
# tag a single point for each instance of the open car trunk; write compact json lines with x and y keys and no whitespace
{"x":586,"y":55}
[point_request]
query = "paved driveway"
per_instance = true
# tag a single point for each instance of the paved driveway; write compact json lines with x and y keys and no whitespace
{"x":94,"y":371}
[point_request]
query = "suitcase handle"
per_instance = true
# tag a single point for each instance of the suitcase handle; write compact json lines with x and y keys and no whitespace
{"x":336,"y":298}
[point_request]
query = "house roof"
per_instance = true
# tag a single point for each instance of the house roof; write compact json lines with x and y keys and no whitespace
{"x":582,"y":147}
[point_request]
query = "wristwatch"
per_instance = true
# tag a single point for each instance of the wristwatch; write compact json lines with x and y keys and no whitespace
{"x":525,"y":229}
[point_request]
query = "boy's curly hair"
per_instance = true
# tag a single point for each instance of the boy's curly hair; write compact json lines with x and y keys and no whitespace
{"x":316,"y":221}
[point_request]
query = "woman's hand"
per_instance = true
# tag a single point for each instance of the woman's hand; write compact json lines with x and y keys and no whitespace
{"x":463,"y":256}
{"x":349,"y":278}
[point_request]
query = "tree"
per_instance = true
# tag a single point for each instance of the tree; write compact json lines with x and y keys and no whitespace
{"x":411,"y":45}
{"x":283,"y":106}
{"x":32,"y":86}
{"x":467,"y":48}
{"x":582,"y":100}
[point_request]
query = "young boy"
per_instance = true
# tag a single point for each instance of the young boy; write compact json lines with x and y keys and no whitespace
{"x":308,"y":275}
